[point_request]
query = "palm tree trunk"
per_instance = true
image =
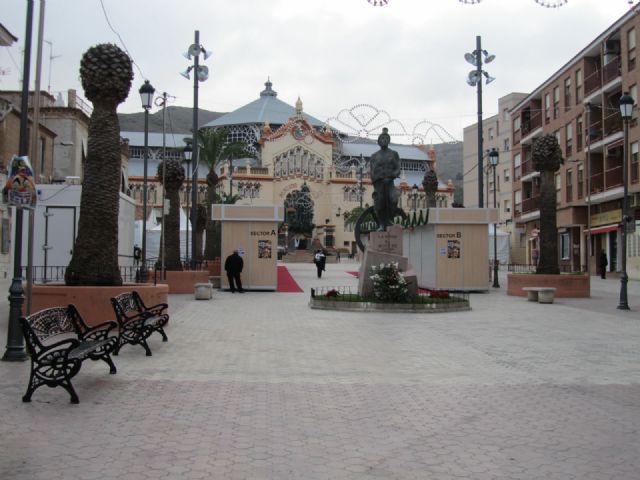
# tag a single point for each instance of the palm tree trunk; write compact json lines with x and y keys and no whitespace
{"x":548,"y":262}
{"x":209,"y":247}
{"x":172,"y":235}
{"x":95,"y":254}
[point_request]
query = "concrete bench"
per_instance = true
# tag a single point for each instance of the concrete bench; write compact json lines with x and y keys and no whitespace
{"x":203,"y":291}
{"x":540,"y":294}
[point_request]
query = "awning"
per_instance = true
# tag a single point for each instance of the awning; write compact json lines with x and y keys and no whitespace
{"x":603,"y":229}
{"x":615,"y":144}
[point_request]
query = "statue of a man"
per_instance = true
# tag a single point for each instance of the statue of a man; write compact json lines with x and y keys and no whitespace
{"x":384,"y":169}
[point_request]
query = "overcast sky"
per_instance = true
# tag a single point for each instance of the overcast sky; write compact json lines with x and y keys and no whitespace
{"x":405,"y":58}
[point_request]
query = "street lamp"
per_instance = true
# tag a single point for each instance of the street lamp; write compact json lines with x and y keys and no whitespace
{"x":146,"y":96}
{"x":201,"y":74}
{"x":475,"y":80}
{"x":493,"y":159}
{"x":15,"y":343}
{"x":626,"y":109}
{"x":187,"y":152}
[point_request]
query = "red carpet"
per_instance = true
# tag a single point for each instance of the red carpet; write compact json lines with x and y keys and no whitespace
{"x":355,"y":274}
{"x":286,"y":283}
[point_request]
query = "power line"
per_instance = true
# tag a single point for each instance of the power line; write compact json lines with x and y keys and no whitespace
{"x":106,"y":17}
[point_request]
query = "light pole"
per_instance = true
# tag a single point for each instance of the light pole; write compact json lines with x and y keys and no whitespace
{"x":15,"y":344}
{"x":475,"y":80}
{"x":201,"y":73}
{"x":626,"y":109}
{"x":188,"y":153}
{"x":493,"y":159}
{"x":146,"y":96}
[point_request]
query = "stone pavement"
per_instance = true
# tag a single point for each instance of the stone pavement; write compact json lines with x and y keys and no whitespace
{"x":258,"y":386}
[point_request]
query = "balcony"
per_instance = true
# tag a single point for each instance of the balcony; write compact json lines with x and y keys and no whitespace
{"x":612,"y":124}
{"x":634,"y":172}
{"x":527,"y":167}
{"x":611,"y":70}
{"x":531,"y":204}
{"x":613,"y":178}
{"x":531,"y":124}
{"x":592,"y":83}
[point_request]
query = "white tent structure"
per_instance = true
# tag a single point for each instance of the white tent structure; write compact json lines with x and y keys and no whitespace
{"x":502,"y":245}
{"x":154,"y":234}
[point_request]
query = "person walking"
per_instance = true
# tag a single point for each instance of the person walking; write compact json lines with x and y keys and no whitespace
{"x":338,"y":256}
{"x":603,"y":264}
{"x":233,"y":266}
{"x":320,"y":260}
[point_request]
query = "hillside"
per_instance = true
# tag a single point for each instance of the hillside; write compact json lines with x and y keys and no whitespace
{"x":178,"y":119}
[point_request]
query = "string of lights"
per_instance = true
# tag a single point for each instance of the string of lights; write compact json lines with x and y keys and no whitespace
{"x":542,"y":3}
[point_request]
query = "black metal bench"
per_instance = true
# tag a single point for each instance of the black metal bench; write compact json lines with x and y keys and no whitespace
{"x":137,"y":321}
{"x":58,"y":341}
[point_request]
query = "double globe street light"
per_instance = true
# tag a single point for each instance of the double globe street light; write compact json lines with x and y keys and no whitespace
{"x":493,"y":160}
{"x":474,"y":79}
{"x":201,"y":73}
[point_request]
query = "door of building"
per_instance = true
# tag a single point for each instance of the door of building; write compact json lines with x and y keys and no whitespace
{"x":60,"y":235}
{"x":613,"y":251}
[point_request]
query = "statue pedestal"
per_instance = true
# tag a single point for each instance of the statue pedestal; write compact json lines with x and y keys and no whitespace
{"x":385,"y":247}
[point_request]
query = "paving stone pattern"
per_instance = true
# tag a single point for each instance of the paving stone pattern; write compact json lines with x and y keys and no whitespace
{"x":259,"y":386}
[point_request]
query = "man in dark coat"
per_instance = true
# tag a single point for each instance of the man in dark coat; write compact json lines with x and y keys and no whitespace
{"x":233,"y":266}
{"x":603,"y":264}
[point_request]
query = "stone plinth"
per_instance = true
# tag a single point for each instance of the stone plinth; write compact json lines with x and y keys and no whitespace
{"x":385,"y":247}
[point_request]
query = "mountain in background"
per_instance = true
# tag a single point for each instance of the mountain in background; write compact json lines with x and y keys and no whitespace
{"x":178,"y":120}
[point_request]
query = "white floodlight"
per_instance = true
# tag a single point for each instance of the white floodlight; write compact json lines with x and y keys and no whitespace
{"x":471,"y":58}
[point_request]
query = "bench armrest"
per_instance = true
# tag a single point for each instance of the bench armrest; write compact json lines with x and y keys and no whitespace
{"x":99,"y":332}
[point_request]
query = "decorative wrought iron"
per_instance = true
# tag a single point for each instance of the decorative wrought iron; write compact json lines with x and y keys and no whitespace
{"x":298,"y":161}
{"x":364,"y":121}
{"x":543,"y":3}
{"x":378,"y":3}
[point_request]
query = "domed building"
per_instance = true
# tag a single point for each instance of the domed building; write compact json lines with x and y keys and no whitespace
{"x":304,"y":164}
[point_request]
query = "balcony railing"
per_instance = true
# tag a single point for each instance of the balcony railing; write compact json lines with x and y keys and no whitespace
{"x":597,"y":183}
{"x":592,"y":82}
{"x":613,"y":177}
{"x":527,"y":167}
{"x":531,"y":204}
{"x":595,"y":131}
{"x":532,"y":124}
{"x":612,"y":124}
{"x":611,"y":70}
{"x":517,"y":210}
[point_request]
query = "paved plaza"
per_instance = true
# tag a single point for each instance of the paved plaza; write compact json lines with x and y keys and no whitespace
{"x":259,"y":386}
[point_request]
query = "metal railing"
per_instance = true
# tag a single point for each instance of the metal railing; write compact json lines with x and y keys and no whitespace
{"x":531,"y":268}
{"x":350,"y":294}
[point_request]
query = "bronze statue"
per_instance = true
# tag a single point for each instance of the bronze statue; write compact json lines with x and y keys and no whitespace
{"x":384,"y":169}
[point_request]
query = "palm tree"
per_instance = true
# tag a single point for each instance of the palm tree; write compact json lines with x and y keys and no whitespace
{"x":174,"y":177}
{"x":430,"y":184}
{"x":201,"y":223}
{"x":214,"y":149}
{"x":547,"y":158}
{"x":106,"y":76}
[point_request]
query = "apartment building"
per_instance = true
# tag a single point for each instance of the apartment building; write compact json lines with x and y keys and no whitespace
{"x":579,"y":104}
{"x":496,"y":134}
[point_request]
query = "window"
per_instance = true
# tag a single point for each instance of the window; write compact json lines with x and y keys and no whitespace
{"x":516,"y":166}
{"x":631,"y":49}
{"x":569,"y":179}
{"x":580,"y":180}
{"x":506,"y":174}
{"x":579,"y":128}
{"x":547,"y":108}
{"x":507,"y":206}
{"x":516,"y":124}
{"x":558,"y":191}
{"x":564,"y":245}
{"x":568,"y":139}
{"x":505,"y":115}
{"x":490,"y":134}
{"x":505,"y":145}
{"x":578,"y":86}
{"x":558,"y":137}
{"x":567,"y":94}
{"x":633,"y":91}
{"x":556,"y":102}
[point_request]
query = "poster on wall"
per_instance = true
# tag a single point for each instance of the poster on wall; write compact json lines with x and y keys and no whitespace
{"x":264,"y":248}
{"x":453,"y":248}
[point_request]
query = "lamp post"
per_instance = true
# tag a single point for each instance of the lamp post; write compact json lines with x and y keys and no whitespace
{"x":201,"y":73}
{"x":493,"y":159}
{"x":626,"y":109}
{"x":146,"y":96}
{"x":15,"y":344}
{"x":475,"y":80}
{"x":188,"y":153}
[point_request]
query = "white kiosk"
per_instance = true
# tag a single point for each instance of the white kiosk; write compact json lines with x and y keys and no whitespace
{"x":252,"y":230}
